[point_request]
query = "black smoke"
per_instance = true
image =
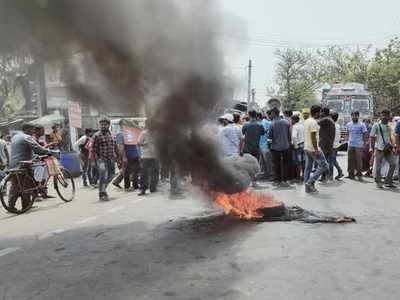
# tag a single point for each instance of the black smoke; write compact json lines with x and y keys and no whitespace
{"x":153,"y":54}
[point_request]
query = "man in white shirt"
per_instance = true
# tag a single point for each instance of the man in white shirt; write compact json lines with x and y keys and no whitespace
{"x":312,"y":150}
{"x":298,"y":145}
{"x":334,"y":163}
{"x":230,"y":137}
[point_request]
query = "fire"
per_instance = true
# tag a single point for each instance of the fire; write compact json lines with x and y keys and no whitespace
{"x":246,"y":204}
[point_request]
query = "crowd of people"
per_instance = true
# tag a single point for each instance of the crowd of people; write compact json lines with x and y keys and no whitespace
{"x":303,"y":147}
{"x":290,"y":148}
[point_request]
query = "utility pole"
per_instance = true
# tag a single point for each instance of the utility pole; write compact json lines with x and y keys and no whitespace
{"x":249,"y":83}
{"x":253,"y":95}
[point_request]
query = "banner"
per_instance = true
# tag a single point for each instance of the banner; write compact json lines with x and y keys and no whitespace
{"x":75,"y":114}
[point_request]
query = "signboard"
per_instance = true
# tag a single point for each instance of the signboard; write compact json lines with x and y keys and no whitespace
{"x":75,"y":114}
{"x":131,"y":135}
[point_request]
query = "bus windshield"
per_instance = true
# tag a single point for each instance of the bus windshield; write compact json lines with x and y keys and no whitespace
{"x":361,"y":105}
{"x":336,"y":105}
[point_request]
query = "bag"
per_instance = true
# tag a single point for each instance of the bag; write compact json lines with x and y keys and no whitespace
{"x":84,"y":149}
{"x":53,"y":166}
{"x":388,"y":148}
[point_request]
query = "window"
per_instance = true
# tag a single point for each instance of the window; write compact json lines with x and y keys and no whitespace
{"x":361,"y":105}
{"x":336,"y":105}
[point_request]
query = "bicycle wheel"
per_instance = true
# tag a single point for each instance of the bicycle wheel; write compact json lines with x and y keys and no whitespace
{"x":65,"y":185}
{"x":18,"y":192}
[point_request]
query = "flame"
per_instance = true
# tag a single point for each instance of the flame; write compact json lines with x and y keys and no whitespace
{"x":245,"y":204}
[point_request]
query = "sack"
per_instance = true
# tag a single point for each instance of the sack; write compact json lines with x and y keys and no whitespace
{"x":53,"y":166}
{"x":388,"y":150}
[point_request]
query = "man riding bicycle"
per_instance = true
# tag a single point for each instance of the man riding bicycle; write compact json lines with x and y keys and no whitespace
{"x":23,"y":148}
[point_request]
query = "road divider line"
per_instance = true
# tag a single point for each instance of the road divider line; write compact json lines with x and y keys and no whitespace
{"x":87,"y":220}
{"x":115,"y":209}
{"x":9,"y":250}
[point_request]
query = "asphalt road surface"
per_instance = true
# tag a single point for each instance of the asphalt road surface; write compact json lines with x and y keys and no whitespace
{"x":157,"y":248}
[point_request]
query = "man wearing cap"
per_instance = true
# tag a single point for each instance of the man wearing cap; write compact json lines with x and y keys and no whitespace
{"x":230,"y":137}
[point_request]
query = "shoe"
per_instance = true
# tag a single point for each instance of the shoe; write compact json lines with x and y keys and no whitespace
{"x":339,"y":176}
{"x":360,"y":178}
{"x":276,"y":183}
{"x":117,"y":185}
{"x":390,"y":185}
{"x":153,"y":191}
{"x":85,"y":184}
{"x":142,"y":193}
{"x":310,"y":188}
{"x":379,"y":185}
{"x":284,"y":184}
{"x":46,"y":196}
{"x":352,"y":177}
{"x":103,"y":197}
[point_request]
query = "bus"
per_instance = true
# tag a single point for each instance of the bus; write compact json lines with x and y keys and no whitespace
{"x":344,"y":98}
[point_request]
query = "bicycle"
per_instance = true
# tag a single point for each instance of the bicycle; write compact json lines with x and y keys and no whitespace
{"x":19,"y":189}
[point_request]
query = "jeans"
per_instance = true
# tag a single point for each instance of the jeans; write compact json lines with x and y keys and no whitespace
{"x":379,"y":157}
{"x":106,"y":168}
{"x":298,"y":159}
{"x":282,"y":161}
{"x":322,"y":166}
{"x":333,"y":163}
{"x":86,"y":172}
{"x":266,"y":163}
{"x":149,"y":174}
{"x":131,"y":173}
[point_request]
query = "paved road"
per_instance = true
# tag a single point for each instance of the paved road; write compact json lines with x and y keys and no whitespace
{"x":157,"y":248}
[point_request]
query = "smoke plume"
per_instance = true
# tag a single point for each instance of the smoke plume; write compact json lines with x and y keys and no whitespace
{"x":153,"y":54}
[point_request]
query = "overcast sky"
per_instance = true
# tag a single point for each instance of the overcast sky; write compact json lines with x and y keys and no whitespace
{"x":267,"y":25}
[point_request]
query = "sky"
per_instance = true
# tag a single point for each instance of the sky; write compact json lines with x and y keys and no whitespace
{"x":255,"y":29}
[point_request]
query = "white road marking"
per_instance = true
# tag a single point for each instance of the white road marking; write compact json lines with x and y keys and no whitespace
{"x":9,"y":250}
{"x":115,"y":209}
{"x":87,"y":220}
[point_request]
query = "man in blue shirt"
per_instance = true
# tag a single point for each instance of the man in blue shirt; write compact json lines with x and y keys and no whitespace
{"x":266,"y":157}
{"x":280,"y":140}
{"x":357,"y":132}
{"x":129,"y":157}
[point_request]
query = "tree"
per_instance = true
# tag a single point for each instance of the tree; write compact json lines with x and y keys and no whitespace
{"x":384,"y":77}
{"x":297,"y":77}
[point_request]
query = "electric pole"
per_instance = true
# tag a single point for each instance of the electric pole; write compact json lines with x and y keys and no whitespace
{"x":249,"y":83}
{"x":253,"y":95}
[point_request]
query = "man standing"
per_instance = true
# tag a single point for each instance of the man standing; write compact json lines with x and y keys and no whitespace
{"x":129,"y":157}
{"x":82,"y":145}
{"x":326,"y":136}
{"x":333,"y":162}
{"x":104,"y":149}
{"x":357,"y":138}
{"x":252,"y":132}
{"x":382,"y":144}
{"x":149,"y":175}
{"x":298,"y":146}
{"x":55,"y":138}
{"x":312,"y":150}
{"x":230,"y":137}
{"x":266,"y":157}
{"x":280,"y":139}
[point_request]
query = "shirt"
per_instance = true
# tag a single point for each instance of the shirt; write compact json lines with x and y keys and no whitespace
{"x":310,"y":126}
{"x":230,"y":138}
{"x":356,"y":133}
{"x":327,"y":133}
{"x":376,"y":133}
{"x":336,"y":143}
{"x":297,"y":135}
{"x":146,"y":145}
{"x":23,"y":147}
{"x":264,"y":138}
{"x":104,"y":145}
{"x":55,"y":137}
{"x":131,"y":151}
{"x":397,"y":129}
{"x":252,"y":132}
{"x":279,"y":134}
{"x":3,"y":149}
